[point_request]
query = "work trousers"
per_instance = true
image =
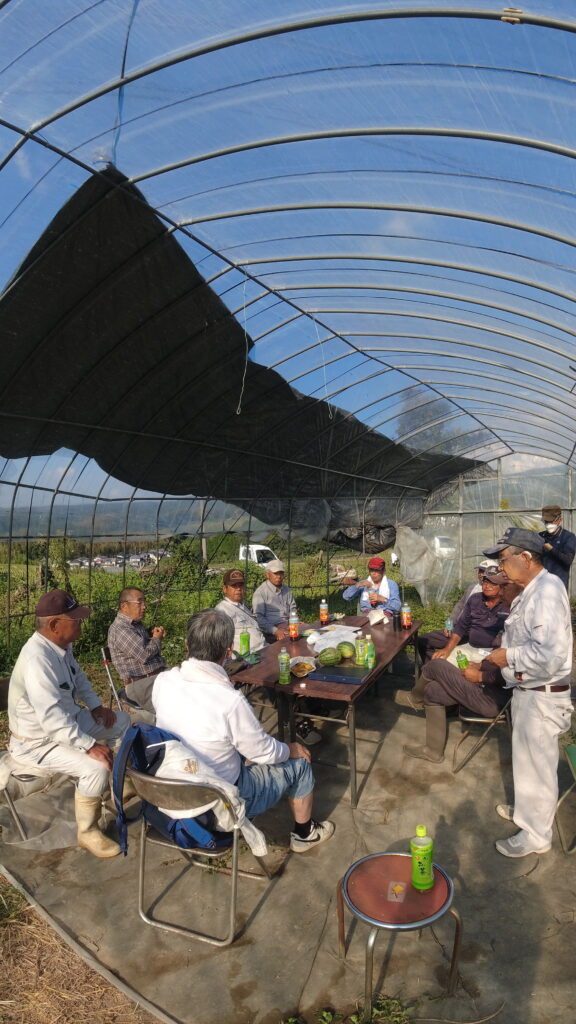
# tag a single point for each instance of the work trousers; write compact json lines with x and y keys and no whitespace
{"x":92,"y":776}
{"x":538,"y":719}
{"x":447,"y":686}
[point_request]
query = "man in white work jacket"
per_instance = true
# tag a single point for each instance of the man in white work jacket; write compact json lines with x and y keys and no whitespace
{"x":50,"y":728}
{"x":536,"y":661}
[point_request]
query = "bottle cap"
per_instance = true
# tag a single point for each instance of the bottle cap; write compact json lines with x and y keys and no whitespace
{"x":420,"y":830}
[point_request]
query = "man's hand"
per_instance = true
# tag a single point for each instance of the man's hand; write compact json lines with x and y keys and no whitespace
{"x":280,"y":633}
{"x":100,"y":752}
{"x":440,"y":654}
{"x":548,"y":547}
{"x":498,"y":657}
{"x":473,"y":672}
{"x":299,"y":750}
{"x":103,"y":715}
{"x":158,"y":632}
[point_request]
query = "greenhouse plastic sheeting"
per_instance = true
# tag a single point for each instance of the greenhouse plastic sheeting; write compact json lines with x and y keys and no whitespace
{"x":277,"y":251}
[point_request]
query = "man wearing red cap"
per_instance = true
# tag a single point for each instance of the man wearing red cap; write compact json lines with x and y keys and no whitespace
{"x":377,"y":591}
{"x":50,"y":726}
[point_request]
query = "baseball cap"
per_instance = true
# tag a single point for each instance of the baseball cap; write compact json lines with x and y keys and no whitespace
{"x":376,"y":563}
{"x":487,"y":563}
{"x":516,"y":537}
{"x":495,"y":577}
{"x":234,"y":576}
{"x":275,"y":566}
{"x":58,"y":602}
{"x":551,"y":512}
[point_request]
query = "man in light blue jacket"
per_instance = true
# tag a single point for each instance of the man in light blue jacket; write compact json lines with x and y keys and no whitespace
{"x":377,"y":591}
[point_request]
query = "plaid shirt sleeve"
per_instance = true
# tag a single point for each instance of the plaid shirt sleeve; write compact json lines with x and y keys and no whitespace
{"x":133,"y":651}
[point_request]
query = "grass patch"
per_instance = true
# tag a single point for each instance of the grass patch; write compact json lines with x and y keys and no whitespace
{"x":45,"y":982}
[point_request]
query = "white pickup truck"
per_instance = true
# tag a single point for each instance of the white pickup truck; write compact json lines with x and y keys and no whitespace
{"x":258,"y":553}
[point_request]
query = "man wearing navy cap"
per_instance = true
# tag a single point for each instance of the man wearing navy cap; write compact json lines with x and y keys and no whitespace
{"x":536,"y":661}
{"x":50,"y":727}
{"x":559,"y":544}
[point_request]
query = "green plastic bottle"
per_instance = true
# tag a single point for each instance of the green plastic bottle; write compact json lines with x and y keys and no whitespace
{"x":369,"y":652}
{"x":283,"y":667}
{"x":421,"y":848}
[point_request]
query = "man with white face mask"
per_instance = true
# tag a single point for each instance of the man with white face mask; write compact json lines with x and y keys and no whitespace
{"x":559,"y":544}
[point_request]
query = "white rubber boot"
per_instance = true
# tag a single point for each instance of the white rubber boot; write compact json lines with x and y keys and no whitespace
{"x":87,"y":810}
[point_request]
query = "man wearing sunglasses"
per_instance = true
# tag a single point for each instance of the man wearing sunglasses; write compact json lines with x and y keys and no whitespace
{"x":559,"y":544}
{"x":56,"y":719}
{"x":535,"y":659}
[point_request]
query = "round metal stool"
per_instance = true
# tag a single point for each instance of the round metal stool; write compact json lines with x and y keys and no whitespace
{"x":377,"y":889}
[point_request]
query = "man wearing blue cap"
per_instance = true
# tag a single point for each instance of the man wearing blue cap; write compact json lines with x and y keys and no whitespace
{"x":536,"y":661}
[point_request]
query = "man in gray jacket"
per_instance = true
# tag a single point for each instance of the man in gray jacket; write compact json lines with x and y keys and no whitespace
{"x":273,"y":602}
{"x":50,"y":727}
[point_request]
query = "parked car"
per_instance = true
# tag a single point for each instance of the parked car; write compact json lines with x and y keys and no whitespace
{"x":444,"y":547}
{"x":258,"y":553}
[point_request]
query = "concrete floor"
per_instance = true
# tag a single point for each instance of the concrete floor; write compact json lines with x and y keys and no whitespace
{"x":519,"y":916}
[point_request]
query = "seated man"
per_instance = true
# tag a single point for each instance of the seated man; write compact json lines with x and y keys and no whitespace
{"x":48,"y":725}
{"x":437,"y":639}
{"x":482,"y":621}
{"x":479,"y":687}
{"x":234,"y":585}
{"x":273,"y":602}
{"x":199,"y":704}
{"x":135,"y":650}
{"x":377,"y":591}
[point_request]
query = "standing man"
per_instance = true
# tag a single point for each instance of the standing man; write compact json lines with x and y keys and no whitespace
{"x":377,"y":591}
{"x":273,"y":602}
{"x":49,"y":726}
{"x":536,"y":660}
{"x":234,"y":586}
{"x":559,"y":544}
{"x":135,"y":650}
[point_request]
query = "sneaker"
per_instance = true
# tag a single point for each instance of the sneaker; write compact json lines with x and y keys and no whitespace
{"x":305,"y":733}
{"x":505,"y":811}
{"x":320,"y":832}
{"x":520,"y":845}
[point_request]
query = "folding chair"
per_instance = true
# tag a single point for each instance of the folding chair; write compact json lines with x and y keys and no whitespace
{"x":119,"y":695}
{"x":179,"y":795}
{"x":570,"y":752}
{"x":19,"y":775}
{"x":470,"y":719}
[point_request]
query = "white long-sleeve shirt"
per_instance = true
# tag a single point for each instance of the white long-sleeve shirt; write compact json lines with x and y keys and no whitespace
{"x":197,"y":702}
{"x":538,"y":634}
{"x":45,"y":687}
{"x":243,"y":618}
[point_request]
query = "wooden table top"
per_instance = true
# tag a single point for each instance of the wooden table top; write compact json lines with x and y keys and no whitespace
{"x":387,"y":643}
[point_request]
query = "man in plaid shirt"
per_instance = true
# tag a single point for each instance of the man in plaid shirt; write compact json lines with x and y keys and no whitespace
{"x":135,"y":650}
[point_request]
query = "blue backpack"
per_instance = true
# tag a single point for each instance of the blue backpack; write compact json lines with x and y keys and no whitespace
{"x":143,"y":749}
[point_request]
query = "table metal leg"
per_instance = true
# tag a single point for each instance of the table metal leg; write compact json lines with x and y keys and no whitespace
{"x":367,"y":1013}
{"x":340,"y":919}
{"x":352,"y":753}
{"x":283,"y":710}
{"x":416,"y":657}
{"x":453,"y":976}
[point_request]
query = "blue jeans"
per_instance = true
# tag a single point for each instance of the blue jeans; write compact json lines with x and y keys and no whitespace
{"x":263,"y":785}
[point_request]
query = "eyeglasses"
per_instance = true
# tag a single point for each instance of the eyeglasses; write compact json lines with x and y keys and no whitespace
{"x":501,"y":561}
